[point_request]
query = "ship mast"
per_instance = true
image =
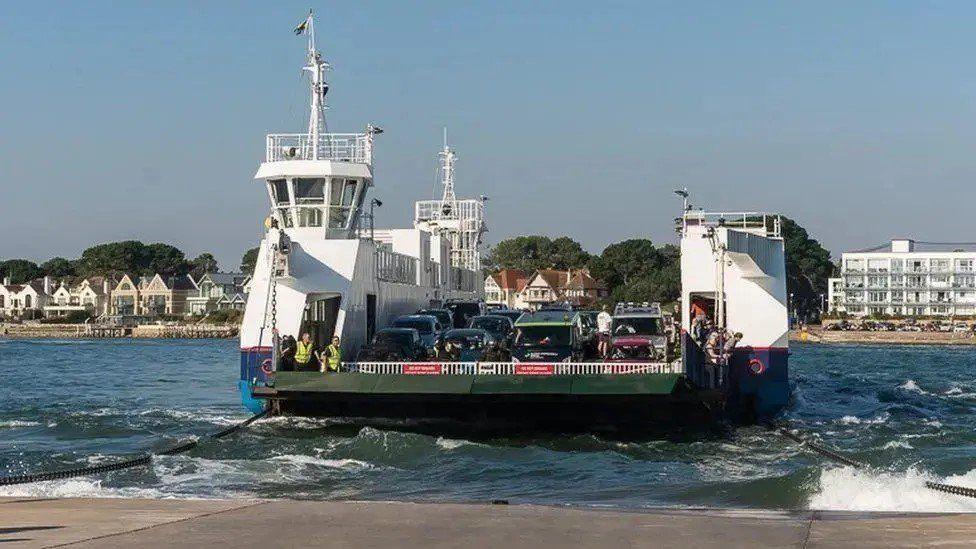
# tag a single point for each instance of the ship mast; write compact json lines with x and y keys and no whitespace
{"x":448,"y":156}
{"x":316,"y":66}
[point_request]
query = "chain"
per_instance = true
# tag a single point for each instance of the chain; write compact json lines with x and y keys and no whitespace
{"x":274,"y":303}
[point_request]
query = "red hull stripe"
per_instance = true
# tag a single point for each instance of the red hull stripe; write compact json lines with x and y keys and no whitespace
{"x":255,"y":349}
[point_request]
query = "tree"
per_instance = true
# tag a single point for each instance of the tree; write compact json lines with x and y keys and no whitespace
{"x":635,"y":270}
{"x":203,"y":264}
{"x":20,"y":270}
{"x":533,"y":252}
{"x":59,"y":267}
{"x":129,"y":256}
{"x":166,"y":260}
{"x":249,"y":260}
{"x":808,"y":267}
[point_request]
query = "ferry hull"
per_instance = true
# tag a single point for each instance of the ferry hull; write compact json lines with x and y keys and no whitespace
{"x":506,"y":403}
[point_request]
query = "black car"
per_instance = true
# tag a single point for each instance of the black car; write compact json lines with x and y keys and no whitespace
{"x":394,"y":344}
{"x":464,"y":311}
{"x":501,"y":328}
{"x":510,"y":314}
{"x":442,"y":315}
{"x":467,"y":344}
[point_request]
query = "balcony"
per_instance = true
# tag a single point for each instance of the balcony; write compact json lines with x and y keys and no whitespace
{"x":337,"y":147}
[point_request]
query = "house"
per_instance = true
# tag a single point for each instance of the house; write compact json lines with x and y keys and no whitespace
{"x":218,"y":291}
{"x":126,"y":297}
{"x":166,"y":296}
{"x":544,"y":287}
{"x":19,"y":300}
{"x":582,"y":289}
{"x":505,"y":287}
{"x":90,"y":294}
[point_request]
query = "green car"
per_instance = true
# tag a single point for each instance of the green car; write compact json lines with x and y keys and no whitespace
{"x":548,"y":336}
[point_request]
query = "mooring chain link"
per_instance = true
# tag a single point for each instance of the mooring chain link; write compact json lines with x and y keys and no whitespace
{"x":145,"y":459}
{"x":793,"y":435}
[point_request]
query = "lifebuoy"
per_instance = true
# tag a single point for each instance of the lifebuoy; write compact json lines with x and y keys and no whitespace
{"x":756,"y":367}
{"x":266,"y":366}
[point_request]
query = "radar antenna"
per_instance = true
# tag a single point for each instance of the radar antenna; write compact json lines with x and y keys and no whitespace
{"x":316,"y":66}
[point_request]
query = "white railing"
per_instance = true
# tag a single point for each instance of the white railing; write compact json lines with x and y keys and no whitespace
{"x":513,"y":368}
{"x":338,"y":147}
{"x":769,"y":223}
{"x":394,"y":267}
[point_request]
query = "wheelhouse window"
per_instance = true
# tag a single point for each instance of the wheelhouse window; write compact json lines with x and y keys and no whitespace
{"x":341,"y":200}
{"x":309,"y":196}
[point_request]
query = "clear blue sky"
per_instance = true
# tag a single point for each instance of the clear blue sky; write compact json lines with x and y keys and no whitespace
{"x":125,"y":120}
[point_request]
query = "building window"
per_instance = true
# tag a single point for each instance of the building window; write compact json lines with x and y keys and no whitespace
{"x":897,"y":281}
{"x":940,"y":265}
{"x":854,"y":265}
{"x":877,"y":265}
{"x":964,"y":265}
{"x":916,"y":265}
{"x":877,"y":297}
{"x":897,"y":265}
{"x":915,"y":281}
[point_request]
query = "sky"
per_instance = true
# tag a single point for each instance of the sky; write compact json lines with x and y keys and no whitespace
{"x":131,"y":120}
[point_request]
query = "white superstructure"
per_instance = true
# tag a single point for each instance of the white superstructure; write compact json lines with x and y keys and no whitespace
{"x":317,"y":270}
{"x":907,"y":278}
{"x":462,"y":222}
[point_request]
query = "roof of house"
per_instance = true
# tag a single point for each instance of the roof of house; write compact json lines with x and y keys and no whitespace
{"x":14,"y":288}
{"x":582,"y":280}
{"x":509,"y":279}
{"x":180,"y":282}
{"x":553,"y":277}
{"x":38,"y":285}
{"x":234,"y":279}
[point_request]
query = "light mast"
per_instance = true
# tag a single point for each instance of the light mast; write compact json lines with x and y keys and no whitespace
{"x":316,"y":66}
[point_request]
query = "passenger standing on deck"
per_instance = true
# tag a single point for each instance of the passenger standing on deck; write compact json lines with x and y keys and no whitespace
{"x":603,"y":322}
{"x":713,"y":358}
{"x":331,"y":357}
{"x":731,"y":340}
{"x":287,"y":356}
{"x":304,"y":352}
{"x":699,"y":331}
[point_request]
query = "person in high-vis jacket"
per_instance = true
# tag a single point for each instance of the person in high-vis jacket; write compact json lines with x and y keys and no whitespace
{"x":304,"y":352}
{"x":331,"y":357}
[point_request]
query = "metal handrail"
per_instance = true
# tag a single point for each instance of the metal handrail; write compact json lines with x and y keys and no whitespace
{"x":338,"y":147}
{"x":513,"y":368}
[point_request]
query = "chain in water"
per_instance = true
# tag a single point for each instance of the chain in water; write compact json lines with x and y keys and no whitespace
{"x":805,"y":442}
{"x":145,"y":459}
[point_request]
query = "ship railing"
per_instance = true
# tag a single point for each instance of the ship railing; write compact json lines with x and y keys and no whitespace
{"x":513,"y":368}
{"x":337,"y":147}
{"x":394,"y":267}
{"x":768,"y":223}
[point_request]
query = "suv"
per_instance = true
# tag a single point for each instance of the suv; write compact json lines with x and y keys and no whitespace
{"x":638,"y":334}
{"x":548,"y":336}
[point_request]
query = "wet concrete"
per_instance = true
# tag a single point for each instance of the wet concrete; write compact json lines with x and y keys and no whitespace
{"x":27,"y":522}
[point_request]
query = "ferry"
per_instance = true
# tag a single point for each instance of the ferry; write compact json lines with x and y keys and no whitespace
{"x":324,"y":269}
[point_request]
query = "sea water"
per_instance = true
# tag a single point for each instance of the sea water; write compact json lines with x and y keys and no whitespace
{"x":907,"y":411}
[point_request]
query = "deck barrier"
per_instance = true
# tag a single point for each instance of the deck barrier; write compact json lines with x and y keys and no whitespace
{"x":512,"y":368}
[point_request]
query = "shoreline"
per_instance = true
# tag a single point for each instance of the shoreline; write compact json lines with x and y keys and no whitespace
{"x":815,"y":334}
{"x":141,"y":331}
{"x":111,"y":522}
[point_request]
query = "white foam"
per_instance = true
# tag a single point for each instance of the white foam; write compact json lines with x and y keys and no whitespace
{"x":897,"y":444}
{"x":302,"y":460}
{"x":77,"y":487}
{"x":15,"y":423}
{"x":910,"y":385}
{"x":849,"y":489}
{"x":453,"y":444}
{"x":852,"y":420}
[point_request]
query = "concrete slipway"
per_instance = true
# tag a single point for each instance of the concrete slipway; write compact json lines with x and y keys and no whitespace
{"x":77,"y":522}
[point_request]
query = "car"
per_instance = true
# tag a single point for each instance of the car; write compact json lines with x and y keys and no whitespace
{"x":548,"y":336}
{"x":638,"y":333}
{"x":464,"y":311}
{"x":591,"y":337}
{"x":428,"y":326}
{"x":472,"y":343}
{"x":442,"y":315}
{"x":500,"y":327}
{"x":393,"y":344}
{"x":510,"y":314}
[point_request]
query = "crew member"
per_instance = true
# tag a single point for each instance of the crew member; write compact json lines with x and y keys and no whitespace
{"x":331,"y":357}
{"x":713,"y":358}
{"x":603,"y":321}
{"x":286,"y":358}
{"x":304,"y":352}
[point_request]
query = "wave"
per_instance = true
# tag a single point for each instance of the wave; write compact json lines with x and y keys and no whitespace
{"x":306,"y":460}
{"x":80,"y":487}
{"x":913,"y":387}
{"x":15,"y":423}
{"x":849,"y":489}
{"x":853,"y":420}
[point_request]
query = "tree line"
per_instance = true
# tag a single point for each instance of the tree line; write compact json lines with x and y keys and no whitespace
{"x":115,"y":258}
{"x":637,"y":270}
